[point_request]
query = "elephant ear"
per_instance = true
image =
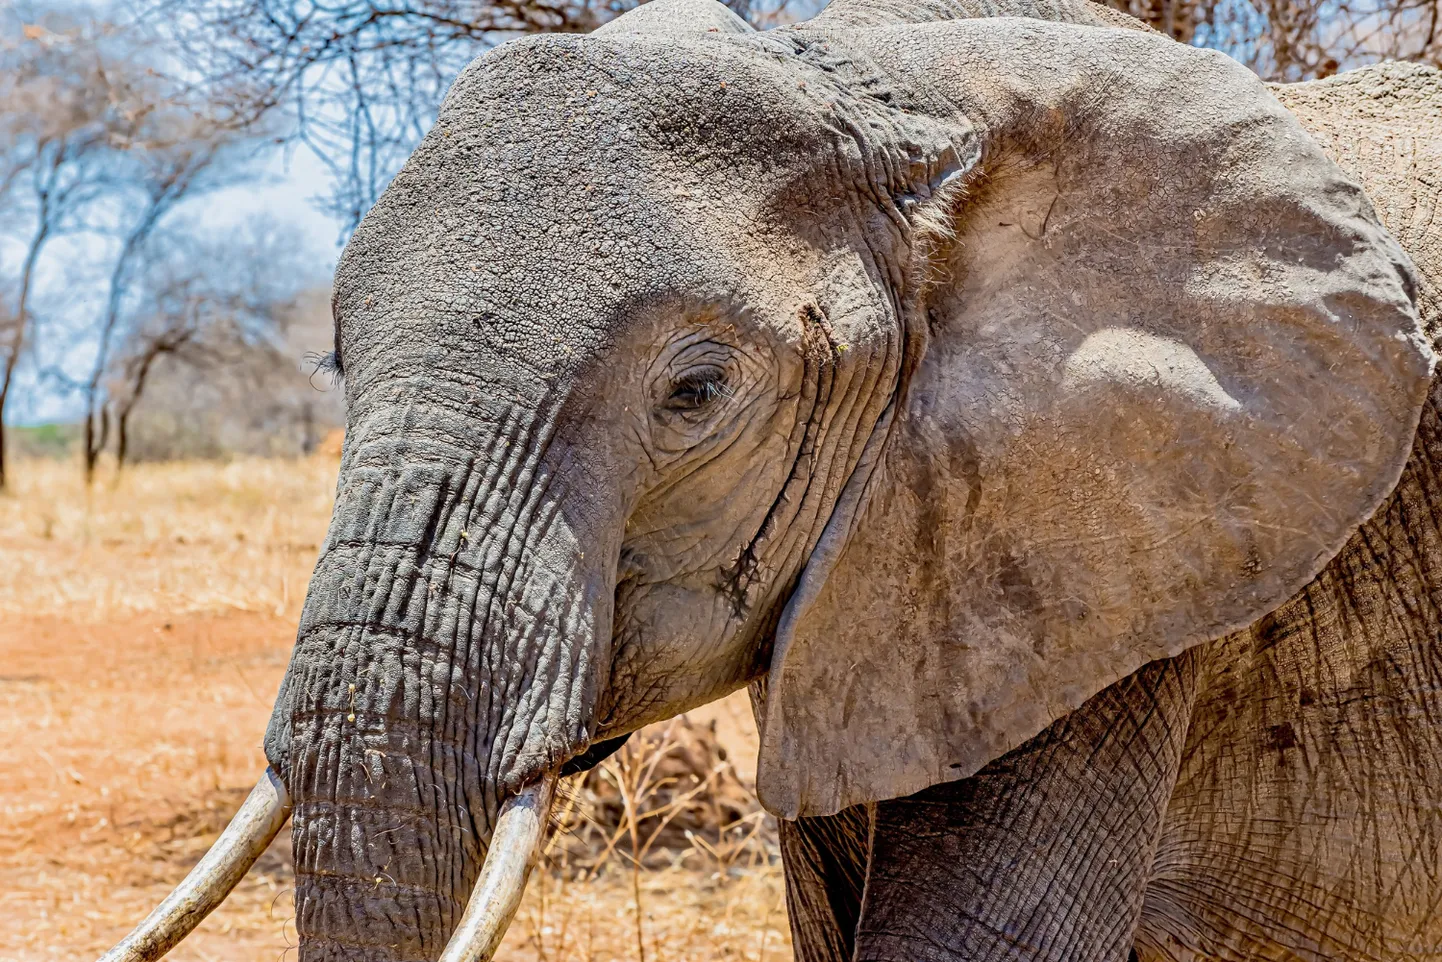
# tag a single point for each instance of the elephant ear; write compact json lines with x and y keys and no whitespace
{"x":1173,"y":362}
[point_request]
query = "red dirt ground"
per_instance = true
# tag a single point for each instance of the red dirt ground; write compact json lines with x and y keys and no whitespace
{"x":124,"y":748}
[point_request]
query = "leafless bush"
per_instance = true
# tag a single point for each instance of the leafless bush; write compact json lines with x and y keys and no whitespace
{"x":670,"y":797}
{"x":219,"y":353}
{"x":1291,"y":40}
{"x":670,"y":793}
{"x":242,"y":398}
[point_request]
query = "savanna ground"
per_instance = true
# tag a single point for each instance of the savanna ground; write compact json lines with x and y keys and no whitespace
{"x":144,"y":627}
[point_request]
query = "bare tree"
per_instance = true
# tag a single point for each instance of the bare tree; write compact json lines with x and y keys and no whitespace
{"x":100,"y":144}
{"x":1291,"y":40}
{"x":60,"y":117}
{"x":234,"y":329}
{"x":177,"y":153}
{"x":359,"y":80}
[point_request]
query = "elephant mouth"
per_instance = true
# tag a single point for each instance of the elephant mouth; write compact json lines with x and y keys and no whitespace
{"x":513,"y":852}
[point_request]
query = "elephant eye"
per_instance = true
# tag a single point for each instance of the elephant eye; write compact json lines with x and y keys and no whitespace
{"x":696,"y":389}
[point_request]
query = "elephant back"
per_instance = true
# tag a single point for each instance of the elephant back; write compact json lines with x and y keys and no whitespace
{"x":875,"y":13}
{"x":1383,"y":125}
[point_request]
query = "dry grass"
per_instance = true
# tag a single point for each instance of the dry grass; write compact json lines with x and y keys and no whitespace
{"x":668,"y":818}
{"x":173,"y":538}
{"x":144,"y":626}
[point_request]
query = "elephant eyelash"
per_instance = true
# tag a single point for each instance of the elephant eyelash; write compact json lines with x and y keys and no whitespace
{"x":696,"y":390}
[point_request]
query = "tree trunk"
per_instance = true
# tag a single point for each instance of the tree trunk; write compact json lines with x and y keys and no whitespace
{"x":17,"y":339}
{"x":94,"y":394}
{"x":95,"y":440}
{"x":122,"y":437}
{"x":122,"y":419}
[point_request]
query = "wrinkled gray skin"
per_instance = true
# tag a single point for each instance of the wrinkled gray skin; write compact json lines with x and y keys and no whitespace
{"x":934,"y":375}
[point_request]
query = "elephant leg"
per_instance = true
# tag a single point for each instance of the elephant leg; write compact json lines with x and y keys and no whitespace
{"x":1045,"y":853}
{"x":825,"y":862}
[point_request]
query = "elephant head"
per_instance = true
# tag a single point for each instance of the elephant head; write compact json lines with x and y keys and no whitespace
{"x":930,"y":374}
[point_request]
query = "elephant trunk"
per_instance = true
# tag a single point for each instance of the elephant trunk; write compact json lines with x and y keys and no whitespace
{"x":444,"y":662}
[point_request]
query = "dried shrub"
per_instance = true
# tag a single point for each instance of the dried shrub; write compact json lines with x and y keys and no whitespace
{"x":669,"y":825}
{"x":669,"y":793}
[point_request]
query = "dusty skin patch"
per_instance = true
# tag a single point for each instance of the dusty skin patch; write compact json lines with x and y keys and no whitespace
{"x":141,"y":644}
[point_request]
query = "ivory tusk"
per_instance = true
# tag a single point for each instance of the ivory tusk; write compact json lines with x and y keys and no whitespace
{"x":515,"y":847}
{"x":265,"y":810}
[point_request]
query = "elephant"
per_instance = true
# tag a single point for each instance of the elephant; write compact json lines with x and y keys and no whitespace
{"x":1036,"y":413}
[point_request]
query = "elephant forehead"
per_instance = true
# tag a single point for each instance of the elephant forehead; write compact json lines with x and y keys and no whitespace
{"x":587,"y":107}
{"x":552,"y":137}
{"x":569,"y":182}
{"x":521,"y":295}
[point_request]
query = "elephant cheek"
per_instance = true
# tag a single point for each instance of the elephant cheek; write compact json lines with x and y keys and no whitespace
{"x":677,"y":647}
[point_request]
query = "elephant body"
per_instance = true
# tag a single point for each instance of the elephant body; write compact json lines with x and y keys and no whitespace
{"x":1023,"y":404}
{"x":1274,"y":794}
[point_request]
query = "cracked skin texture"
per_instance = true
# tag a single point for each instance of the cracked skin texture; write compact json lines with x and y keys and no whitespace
{"x":838,"y":359}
